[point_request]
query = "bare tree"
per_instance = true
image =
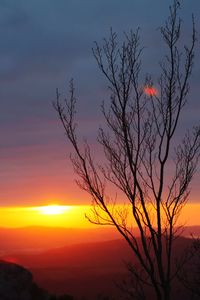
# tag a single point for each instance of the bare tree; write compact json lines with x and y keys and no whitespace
{"x":190,"y":273}
{"x":139,"y":146}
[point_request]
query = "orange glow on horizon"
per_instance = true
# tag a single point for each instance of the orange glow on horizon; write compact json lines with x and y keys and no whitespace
{"x":150,"y":91}
{"x":54,"y":215}
{"x":68,"y":216}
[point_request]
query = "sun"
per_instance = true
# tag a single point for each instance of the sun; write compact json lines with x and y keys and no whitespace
{"x":53,"y":209}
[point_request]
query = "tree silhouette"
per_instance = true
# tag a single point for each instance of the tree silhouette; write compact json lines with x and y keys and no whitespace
{"x":139,"y":144}
{"x":190,"y":273}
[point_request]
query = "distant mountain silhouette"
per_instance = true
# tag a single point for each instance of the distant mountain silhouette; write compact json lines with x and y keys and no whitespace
{"x":63,"y":259}
{"x":32,"y":239}
{"x":85,"y":268}
{"x":92,"y":267}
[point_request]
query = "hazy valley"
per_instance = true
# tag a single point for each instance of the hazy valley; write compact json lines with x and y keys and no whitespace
{"x":63,"y":259}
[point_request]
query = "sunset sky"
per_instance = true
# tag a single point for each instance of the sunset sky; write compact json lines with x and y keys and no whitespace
{"x":43,"y":44}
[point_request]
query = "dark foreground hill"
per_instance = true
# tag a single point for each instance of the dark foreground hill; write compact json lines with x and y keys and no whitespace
{"x":16,"y":283}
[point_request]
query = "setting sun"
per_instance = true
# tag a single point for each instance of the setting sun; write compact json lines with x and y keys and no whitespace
{"x":53,"y":209}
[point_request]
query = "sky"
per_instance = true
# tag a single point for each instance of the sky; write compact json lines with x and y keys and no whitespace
{"x":43,"y":44}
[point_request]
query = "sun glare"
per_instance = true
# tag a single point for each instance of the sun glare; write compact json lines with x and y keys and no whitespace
{"x":150,"y":91}
{"x":53,"y":209}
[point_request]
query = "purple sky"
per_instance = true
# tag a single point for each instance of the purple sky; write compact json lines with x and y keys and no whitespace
{"x":43,"y":44}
